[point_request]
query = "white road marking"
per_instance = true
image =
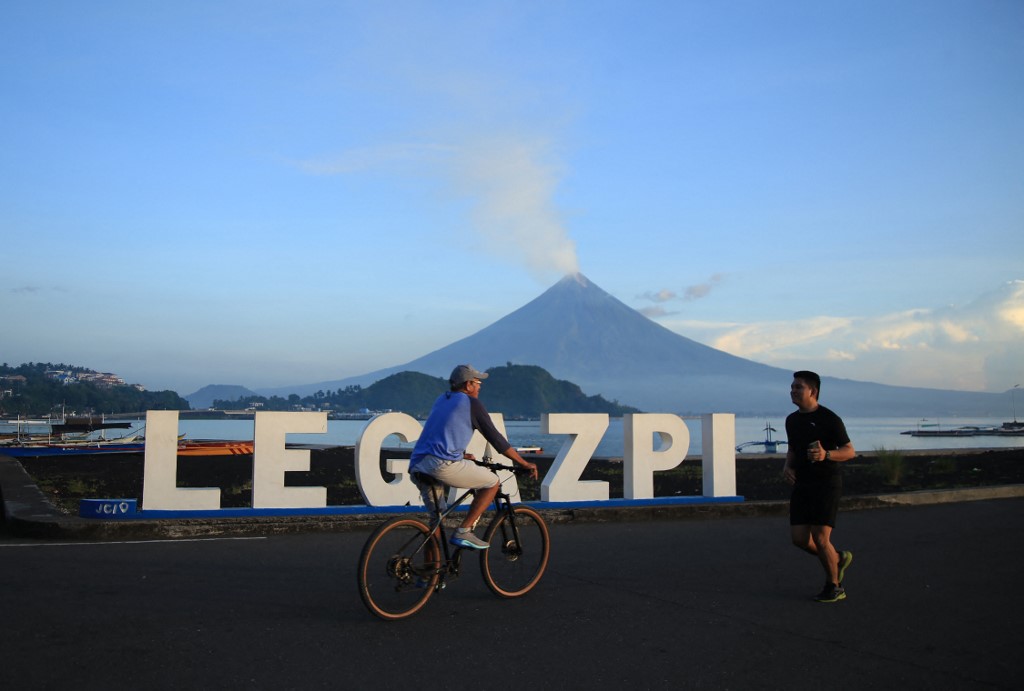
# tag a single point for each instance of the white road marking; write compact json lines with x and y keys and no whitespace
{"x":85,"y":543}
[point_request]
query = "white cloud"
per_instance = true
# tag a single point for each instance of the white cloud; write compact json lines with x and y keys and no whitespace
{"x":690,"y":293}
{"x":654,"y":312}
{"x":833,"y":355}
{"x":370,"y":158}
{"x":1013,"y":314}
{"x":701,"y":290}
{"x":977,"y":346}
{"x":511,"y":181}
{"x":770,"y":339}
{"x":663,"y":295}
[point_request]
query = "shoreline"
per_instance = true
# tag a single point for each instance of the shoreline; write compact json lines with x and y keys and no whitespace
{"x":65,"y":481}
{"x":44,"y":503}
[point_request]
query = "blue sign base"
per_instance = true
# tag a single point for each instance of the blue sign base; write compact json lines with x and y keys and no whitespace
{"x":127,"y":509}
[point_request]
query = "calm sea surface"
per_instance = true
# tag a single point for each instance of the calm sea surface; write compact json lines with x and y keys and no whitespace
{"x":867,"y":434}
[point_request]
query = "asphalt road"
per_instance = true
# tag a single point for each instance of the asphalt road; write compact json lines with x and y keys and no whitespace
{"x":716,"y":604}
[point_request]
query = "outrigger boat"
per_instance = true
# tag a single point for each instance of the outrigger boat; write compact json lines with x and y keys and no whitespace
{"x":85,"y":436}
{"x":68,"y":449}
{"x":770,"y":445}
{"x":67,"y":436}
{"x":130,"y":444}
{"x":79,"y":436}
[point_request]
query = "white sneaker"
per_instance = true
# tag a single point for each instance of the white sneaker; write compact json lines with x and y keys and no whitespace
{"x":464,"y":537}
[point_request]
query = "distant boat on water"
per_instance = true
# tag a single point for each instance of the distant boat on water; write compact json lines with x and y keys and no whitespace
{"x":34,"y":450}
{"x":1008,"y":429}
{"x":81,"y":436}
{"x":66,"y":436}
{"x":770,"y":445}
{"x":129,"y":444}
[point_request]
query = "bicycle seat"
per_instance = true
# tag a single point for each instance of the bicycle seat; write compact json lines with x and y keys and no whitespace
{"x":426,"y":480}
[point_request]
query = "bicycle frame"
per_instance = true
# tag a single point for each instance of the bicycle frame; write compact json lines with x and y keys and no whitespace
{"x":453,"y":556}
{"x":402,"y":564}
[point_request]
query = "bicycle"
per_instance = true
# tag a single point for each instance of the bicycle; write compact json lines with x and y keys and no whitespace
{"x":405,"y":561}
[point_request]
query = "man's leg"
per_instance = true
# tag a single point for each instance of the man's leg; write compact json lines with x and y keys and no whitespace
{"x":481,"y":500}
{"x":801,"y":536}
{"x":821,"y":537}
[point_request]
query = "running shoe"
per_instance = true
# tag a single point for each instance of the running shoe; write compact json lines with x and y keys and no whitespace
{"x":831,"y":593}
{"x":465,"y":538}
{"x":845,"y":559}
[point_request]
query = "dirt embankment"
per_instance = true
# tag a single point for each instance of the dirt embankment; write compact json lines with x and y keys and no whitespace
{"x":758,"y":477}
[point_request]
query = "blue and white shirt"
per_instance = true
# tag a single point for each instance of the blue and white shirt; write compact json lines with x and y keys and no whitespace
{"x":450,"y":426}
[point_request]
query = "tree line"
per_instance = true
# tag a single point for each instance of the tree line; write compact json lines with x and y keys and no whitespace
{"x":39,"y":395}
{"x":517,"y":391}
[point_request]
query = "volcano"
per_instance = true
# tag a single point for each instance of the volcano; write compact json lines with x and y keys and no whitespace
{"x":580,"y":333}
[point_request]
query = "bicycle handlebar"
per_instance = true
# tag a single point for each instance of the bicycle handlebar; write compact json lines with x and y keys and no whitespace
{"x":486,"y":463}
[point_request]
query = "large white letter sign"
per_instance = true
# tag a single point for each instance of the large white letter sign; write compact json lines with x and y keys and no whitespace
{"x":641,"y":459}
{"x":271,"y":460}
{"x":375,"y":490}
{"x":563,"y":483}
{"x":718,"y":441}
{"x":479,"y":447}
{"x":160,"y":491}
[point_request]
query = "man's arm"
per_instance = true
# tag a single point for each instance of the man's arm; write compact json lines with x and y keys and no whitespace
{"x":845,"y":452}
{"x":787,"y":470}
{"x":482,"y":422}
{"x":511,"y":453}
{"x":819,"y":454}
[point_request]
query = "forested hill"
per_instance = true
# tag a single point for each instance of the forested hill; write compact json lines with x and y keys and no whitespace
{"x":529,"y":391}
{"x":40,"y":388}
{"x":516,"y":391}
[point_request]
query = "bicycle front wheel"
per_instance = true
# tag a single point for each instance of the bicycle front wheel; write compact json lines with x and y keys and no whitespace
{"x":518,"y":552}
{"x":398,"y":568}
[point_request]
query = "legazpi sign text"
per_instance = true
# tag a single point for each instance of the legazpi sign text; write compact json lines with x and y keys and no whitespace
{"x":653,"y":442}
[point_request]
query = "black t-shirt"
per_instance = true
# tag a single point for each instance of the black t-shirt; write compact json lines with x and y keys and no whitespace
{"x":820,"y":425}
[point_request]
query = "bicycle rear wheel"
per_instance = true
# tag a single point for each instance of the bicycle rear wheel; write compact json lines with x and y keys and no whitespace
{"x":518,"y":555}
{"x":398,"y":568}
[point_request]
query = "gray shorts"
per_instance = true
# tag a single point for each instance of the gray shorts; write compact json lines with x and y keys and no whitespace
{"x":461,"y":473}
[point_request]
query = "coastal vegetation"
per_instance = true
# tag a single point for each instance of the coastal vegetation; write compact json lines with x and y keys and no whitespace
{"x":891,"y":465}
{"x":43,"y":388}
{"x":518,"y":391}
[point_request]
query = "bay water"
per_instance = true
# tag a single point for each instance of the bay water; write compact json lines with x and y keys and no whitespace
{"x":867,"y":434}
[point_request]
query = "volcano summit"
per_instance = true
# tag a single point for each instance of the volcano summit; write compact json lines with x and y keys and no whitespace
{"x":577,"y":331}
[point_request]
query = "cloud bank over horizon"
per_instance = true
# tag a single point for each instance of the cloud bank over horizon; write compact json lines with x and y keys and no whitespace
{"x":974,"y":347}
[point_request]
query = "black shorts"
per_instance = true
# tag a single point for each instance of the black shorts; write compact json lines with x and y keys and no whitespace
{"x":814,"y":504}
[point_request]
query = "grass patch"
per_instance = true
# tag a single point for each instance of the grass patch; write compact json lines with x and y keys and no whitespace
{"x":892,"y":466}
{"x":946,"y":465}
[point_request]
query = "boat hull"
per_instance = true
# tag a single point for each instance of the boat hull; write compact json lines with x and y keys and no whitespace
{"x":30,"y":451}
{"x":193,"y":448}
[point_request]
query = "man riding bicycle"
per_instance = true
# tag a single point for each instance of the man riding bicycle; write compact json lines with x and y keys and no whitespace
{"x":440,"y":450}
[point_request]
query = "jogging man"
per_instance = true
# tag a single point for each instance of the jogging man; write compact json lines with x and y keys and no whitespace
{"x":440,"y":450}
{"x":818,"y":443}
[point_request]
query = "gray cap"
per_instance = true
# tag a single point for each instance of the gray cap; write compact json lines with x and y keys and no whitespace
{"x":465,"y":373}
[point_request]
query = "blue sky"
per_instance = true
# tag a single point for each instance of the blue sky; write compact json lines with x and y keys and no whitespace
{"x":275,"y":193}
